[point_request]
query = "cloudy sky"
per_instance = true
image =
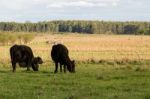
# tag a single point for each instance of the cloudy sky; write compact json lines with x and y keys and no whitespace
{"x":45,"y":10}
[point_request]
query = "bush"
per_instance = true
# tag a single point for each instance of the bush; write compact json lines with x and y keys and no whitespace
{"x":4,"y":39}
{"x":11,"y":38}
{"x":26,"y":38}
{"x":147,"y":31}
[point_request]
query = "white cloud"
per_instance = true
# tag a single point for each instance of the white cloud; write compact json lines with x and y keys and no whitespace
{"x":39,"y":10}
{"x":71,"y":4}
{"x":24,"y":4}
{"x":83,"y":3}
{"x":15,"y":4}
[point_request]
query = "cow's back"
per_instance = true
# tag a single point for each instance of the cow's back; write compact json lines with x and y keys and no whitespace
{"x":59,"y":52}
{"x":19,"y":52}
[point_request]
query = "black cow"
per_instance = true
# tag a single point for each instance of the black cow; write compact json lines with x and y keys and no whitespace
{"x":23,"y":55}
{"x":59,"y":54}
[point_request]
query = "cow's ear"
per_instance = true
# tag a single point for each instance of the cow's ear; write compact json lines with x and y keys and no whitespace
{"x":73,"y":61}
{"x":39,"y":59}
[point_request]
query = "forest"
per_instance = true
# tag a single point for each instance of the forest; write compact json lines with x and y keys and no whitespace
{"x":79,"y":26}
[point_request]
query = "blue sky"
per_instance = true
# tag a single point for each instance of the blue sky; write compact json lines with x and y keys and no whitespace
{"x":45,"y":10}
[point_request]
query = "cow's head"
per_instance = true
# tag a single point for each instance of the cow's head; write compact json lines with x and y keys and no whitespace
{"x":35,"y":63}
{"x":71,"y":66}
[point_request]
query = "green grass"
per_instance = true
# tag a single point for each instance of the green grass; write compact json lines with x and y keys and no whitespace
{"x":91,"y":81}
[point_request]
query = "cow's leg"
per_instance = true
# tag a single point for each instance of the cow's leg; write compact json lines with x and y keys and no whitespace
{"x":60,"y":67}
{"x":64,"y":68}
{"x":56,"y":67}
{"x":28,"y":65}
{"x":28,"y":68}
{"x":14,"y":66}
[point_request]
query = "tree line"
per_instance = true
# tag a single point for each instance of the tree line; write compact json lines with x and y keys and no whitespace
{"x":91,"y":27}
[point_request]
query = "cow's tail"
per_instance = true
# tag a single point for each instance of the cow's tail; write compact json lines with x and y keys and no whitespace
{"x":11,"y":54}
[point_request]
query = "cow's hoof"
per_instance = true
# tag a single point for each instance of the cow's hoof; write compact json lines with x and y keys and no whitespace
{"x":28,"y":69}
{"x":55,"y":72}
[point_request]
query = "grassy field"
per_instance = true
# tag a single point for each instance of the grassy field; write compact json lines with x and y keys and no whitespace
{"x":107,"y":67}
{"x":91,"y":81}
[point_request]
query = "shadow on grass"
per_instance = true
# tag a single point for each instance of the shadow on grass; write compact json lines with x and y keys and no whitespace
{"x":5,"y":71}
{"x":25,"y":71}
{"x":46,"y":72}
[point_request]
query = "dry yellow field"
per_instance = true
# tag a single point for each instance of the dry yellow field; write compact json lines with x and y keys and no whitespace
{"x":84,"y":47}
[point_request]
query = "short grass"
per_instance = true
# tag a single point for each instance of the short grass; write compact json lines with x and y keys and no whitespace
{"x":91,"y":81}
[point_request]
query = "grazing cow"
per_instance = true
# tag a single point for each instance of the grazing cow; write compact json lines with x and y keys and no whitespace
{"x":23,"y":55}
{"x":59,"y":54}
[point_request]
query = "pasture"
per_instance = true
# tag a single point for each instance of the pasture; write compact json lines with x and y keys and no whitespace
{"x":107,"y":67}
